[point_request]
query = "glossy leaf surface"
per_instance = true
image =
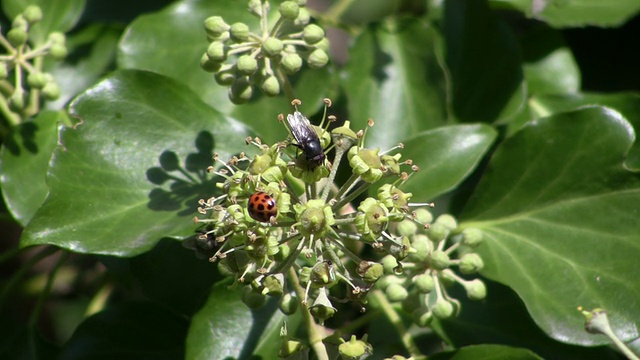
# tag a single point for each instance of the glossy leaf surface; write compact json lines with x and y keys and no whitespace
{"x":446,"y":156}
{"x":132,"y":170}
{"x":558,"y":210}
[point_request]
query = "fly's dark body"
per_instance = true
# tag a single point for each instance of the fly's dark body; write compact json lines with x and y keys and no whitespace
{"x":307,"y":139}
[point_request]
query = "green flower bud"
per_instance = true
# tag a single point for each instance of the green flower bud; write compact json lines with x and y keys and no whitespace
{"x":37,"y":80}
{"x":283,"y":253}
{"x":471,"y":237}
{"x":370,"y":271}
{"x":273,"y":284}
{"x":344,"y":131}
{"x":291,"y":63}
{"x":225,"y":78}
{"x":252,"y":299}
{"x":322,"y":274}
{"x":424,"y":317}
{"x":389,"y":263}
{"x":470,"y":263}
{"x":4,"y":72}
{"x":303,"y":18}
{"x":289,"y":10}
{"x":437,"y":232}
{"x":355,"y":349}
{"x":260,"y":163}
{"x":271,"y":86}
{"x":255,"y":7}
{"x":422,"y":247}
{"x":318,"y":59}
{"x":288,"y":304}
{"x":323,"y":45}
{"x":239,"y":32}
{"x":449,"y":222}
{"x":17,"y":37}
{"x":396,"y":292}
{"x":216,"y":51}
{"x":476,"y":289}
{"x":313,"y":217}
{"x":443,"y":309}
{"x":272,"y":47}
{"x":290,"y":348}
{"x":58,"y":52}
{"x":312,"y":33}
{"x":33,"y":14}
{"x":16,"y":101}
{"x":215,"y":26}
{"x":424,"y":283}
{"x":407,"y":228}
{"x":56,"y":38}
{"x":51,"y":91}
{"x":240,"y":91}
{"x":247,"y":64}
{"x":20,"y":22}
{"x":424,"y":215}
{"x":322,"y":308}
{"x":439,"y":260}
{"x":209,"y":65}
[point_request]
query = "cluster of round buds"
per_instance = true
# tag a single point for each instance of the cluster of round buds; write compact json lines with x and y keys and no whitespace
{"x":420,"y":280}
{"x":20,"y":56}
{"x":242,"y":59}
{"x":283,"y":228}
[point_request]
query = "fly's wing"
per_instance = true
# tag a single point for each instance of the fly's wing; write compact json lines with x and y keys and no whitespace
{"x":300,"y":127}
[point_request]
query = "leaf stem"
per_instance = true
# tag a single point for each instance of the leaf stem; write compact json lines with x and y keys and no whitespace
{"x":396,"y":321}
{"x":316,"y":332}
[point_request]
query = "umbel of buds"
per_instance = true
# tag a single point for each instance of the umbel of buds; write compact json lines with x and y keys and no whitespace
{"x":18,"y":62}
{"x":245,"y":60}
{"x":282,"y":227}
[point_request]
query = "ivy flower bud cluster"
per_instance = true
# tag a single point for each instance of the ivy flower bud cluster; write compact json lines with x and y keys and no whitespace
{"x":243,"y":59}
{"x":281,"y":227}
{"x":421,"y":279}
{"x":21,"y":60}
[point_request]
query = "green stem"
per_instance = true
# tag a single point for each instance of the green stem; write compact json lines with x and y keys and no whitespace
{"x":24,"y":268}
{"x":286,"y":85}
{"x":396,"y":321}
{"x":47,"y":289}
{"x":316,"y":332}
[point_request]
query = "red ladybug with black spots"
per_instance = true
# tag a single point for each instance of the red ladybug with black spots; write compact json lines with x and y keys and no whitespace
{"x":262,"y":206}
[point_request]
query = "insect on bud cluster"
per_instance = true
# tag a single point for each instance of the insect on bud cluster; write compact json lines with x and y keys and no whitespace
{"x":281,"y":224}
{"x":243,"y":59}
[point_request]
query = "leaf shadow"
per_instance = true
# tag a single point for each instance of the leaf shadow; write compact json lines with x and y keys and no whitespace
{"x":22,"y":138}
{"x":188,"y":180}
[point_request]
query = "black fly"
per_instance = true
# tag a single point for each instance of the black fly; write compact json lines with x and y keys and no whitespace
{"x":307,"y":139}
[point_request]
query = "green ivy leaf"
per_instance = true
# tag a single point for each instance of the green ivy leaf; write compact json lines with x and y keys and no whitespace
{"x":476,"y":41}
{"x":58,"y":15}
{"x":446,"y":156}
{"x":225,"y":327}
{"x":129,"y":331}
{"x":394,"y":75}
{"x":559,"y":216}
{"x":172,"y":41}
{"x":489,"y":352}
{"x":628,"y":104}
{"x":24,"y":160}
{"x":549,"y":67}
{"x":565,"y":13}
{"x":503,"y":319}
{"x":132,"y":170}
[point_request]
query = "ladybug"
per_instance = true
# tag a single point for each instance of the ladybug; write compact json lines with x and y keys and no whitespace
{"x":307,"y":139}
{"x":262,"y":206}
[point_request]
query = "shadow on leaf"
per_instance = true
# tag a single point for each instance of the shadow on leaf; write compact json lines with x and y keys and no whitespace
{"x":188,"y":180}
